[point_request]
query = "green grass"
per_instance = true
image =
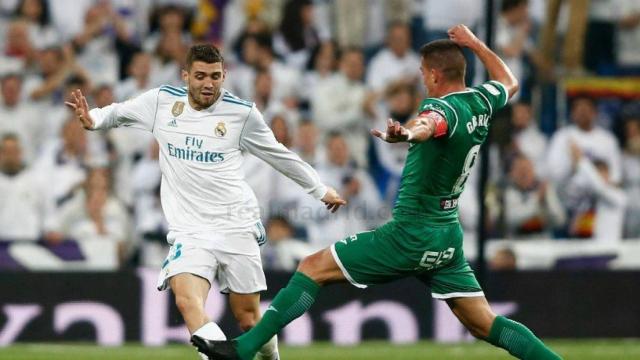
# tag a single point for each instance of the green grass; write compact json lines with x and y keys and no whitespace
{"x":573,"y":349}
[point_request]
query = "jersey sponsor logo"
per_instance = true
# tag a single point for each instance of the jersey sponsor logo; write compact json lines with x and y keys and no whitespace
{"x":190,"y":154}
{"x":491,"y":89}
{"x":448,"y":204}
{"x":220,"y":130}
{"x":433,"y":259}
{"x":178,"y":108}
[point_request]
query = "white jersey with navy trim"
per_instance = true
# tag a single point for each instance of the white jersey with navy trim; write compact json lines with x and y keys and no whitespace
{"x":201,"y":152}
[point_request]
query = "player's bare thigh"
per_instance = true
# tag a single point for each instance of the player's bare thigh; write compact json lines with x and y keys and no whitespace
{"x":187,"y":284}
{"x":322,"y":268}
{"x":474,"y":313}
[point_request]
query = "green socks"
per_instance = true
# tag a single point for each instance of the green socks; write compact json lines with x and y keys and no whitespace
{"x":518,"y":340}
{"x":290,"y":303}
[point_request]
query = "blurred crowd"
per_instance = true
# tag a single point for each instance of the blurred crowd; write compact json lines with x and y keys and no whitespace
{"x":323,"y":72}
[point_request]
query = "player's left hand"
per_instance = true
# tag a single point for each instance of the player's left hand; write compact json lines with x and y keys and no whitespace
{"x":463,"y":36}
{"x":394,"y":133}
{"x":332,"y":200}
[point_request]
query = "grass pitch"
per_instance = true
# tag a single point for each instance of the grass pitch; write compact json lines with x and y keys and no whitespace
{"x":569,"y":349}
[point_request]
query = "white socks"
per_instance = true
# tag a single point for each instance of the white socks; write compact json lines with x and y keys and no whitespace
{"x":210,"y":331}
{"x":269,"y":351}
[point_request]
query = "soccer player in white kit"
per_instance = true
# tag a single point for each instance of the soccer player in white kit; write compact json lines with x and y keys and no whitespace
{"x":214,"y":224}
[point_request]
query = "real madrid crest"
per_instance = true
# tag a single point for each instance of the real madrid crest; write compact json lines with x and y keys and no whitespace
{"x":177,"y":109}
{"x":221,"y":130}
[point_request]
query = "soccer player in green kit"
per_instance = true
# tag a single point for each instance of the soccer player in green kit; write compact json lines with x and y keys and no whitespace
{"x":424,"y":239}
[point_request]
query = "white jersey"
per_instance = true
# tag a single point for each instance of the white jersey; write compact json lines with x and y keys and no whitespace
{"x":203,"y":187}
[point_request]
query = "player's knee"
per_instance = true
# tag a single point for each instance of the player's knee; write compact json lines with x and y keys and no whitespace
{"x":310,"y":265}
{"x":481,"y":327}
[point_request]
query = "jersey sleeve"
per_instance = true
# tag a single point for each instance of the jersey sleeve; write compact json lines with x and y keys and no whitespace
{"x":258,"y":139}
{"x":139,"y":112}
{"x":495,"y":93}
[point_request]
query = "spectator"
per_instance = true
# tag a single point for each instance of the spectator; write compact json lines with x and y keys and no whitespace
{"x":306,"y":143}
{"x":628,"y":35}
{"x":19,"y":52}
{"x":338,"y":103}
{"x":631,"y":176}
{"x":401,"y":100}
{"x":168,"y":19}
{"x":56,"y":64}
{"x":168,"y":59}
{"x":36,"y":13}
{"x":64,"y":162}
{"x":298,"y":35}
{"x":595,"y":142}
{"x":139,"y":79}
{"x":94,"y":214}
{"x":150,"y":223}
{"x":322,"y":64}
{"x":397,"y":61}
{"x":527,"y":137}
{"x":513,"y":38}
{"x":19,"y":117}
{"x":282,"y":250}
{"x":597,"y":206}
{"x":26,"y":214}
{"x":531,"y":207}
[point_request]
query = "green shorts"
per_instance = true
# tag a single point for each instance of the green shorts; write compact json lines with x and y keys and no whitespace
{"x":432,"y":253}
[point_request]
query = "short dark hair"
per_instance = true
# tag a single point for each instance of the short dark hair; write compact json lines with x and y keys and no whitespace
{"x":508,"y":5}
{"x":204,"y":52}
{"x":446,"y":56}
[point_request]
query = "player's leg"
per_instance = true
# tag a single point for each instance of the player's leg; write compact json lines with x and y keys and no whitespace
{"x":191,"y":293}
{"x":476,"y":315}
{"x":246,"y":309}
{"x":188,"y":271}
{"x":292,"y":301}
{"x":362,"y":259}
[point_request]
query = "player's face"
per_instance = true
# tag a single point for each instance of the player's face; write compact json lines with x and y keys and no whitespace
{"x":204,"y":81}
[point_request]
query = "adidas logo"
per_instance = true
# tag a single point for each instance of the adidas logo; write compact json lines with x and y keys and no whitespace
{"x":172,"y":123}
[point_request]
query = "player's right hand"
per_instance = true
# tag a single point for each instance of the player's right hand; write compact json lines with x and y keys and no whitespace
{"x":461,"y":35}
{"x":394,"y":132}
{"x":332,"y":200}
{"x":81,"y":108}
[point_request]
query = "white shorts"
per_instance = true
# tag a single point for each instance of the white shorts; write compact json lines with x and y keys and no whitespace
{"x":233,"y":259}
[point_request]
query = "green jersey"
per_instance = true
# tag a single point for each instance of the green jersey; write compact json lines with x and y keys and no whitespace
{"x":436,"y":170}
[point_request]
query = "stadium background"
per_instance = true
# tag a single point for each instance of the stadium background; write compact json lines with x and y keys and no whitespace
{"x":550,"y":215}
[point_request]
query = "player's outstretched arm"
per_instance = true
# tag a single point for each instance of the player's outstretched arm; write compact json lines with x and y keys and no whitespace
{"x":419,"y":129}
{"x":81,"y":108}
{"x":497,"y":69}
